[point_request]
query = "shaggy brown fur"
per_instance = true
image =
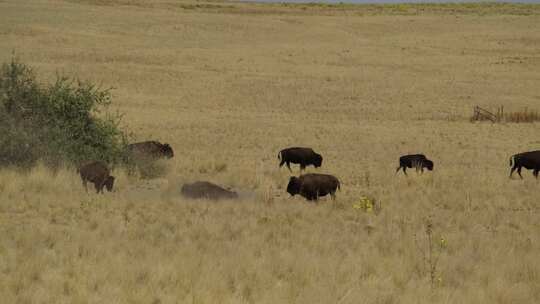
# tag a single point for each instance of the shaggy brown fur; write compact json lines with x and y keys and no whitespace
{"x":312,"y":185}
{"x":98,"y":174}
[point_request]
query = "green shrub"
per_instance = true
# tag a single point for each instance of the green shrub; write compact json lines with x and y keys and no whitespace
{"x":57,"y":123}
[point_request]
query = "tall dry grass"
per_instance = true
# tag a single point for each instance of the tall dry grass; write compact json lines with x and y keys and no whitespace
{"x":228,"y":89}
{"x":524,"y":115}
{"x":144,"y":243}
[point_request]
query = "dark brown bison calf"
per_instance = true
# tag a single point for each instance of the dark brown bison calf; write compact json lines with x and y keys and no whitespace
{"x":417,"y":161}
{"x":206,"y":190}
{"x":312,"y":186}
{"x":529,"y":160}
{"x":298,"y":155}
{"x":98,"y":174}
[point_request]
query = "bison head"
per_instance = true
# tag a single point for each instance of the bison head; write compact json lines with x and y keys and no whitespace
{"x":109,"y":183}
{"x":317,"y":160}
{"x":293,"y":187}
{"x":428,"y":164}
{"x":167,"y":150}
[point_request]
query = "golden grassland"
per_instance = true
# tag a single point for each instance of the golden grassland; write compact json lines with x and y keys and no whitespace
{"x":228,"y":85}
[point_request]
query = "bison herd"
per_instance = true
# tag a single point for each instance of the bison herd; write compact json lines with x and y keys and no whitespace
{"x":311,"y":186}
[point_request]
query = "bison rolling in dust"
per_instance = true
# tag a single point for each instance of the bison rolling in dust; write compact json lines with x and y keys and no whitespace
{"x":207,"y":190}
{"x":302,"y":156}
{"x":529,"y":160}
{"x":312,"y":186}
{"x":417,"y":161}
{"x":98,"y":174}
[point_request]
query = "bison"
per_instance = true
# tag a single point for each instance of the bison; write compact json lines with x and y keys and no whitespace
{"x":207,"y":190}
{"x":312,"y":186}
{"x":529,"y":160}
{"x":98,"y":174}
{"x":150,"y":150}
{"x":418,"y":161}
{"x":302,"y":156}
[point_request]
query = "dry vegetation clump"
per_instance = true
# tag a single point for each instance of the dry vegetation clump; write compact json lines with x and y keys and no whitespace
{"x":228,"y":88}
{"x":525,"y":115}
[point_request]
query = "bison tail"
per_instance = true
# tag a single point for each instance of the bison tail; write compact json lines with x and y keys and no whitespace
{"x":339,"y":186}
{"x":512,"y":160}
{"x":279,"y":155}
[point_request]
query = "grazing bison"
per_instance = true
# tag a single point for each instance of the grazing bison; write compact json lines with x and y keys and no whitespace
{"x":529,"y":160}
{"x":98,"y":174}
{"x":312,"y":186}
{"x":150,"y":150}
{"x":207,"y":190}
{"x":302,"y":156}
{"x":418,"y":161}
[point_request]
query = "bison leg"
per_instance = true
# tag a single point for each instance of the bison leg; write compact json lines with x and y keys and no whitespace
{"x":96,"y":185}
{"x":302,"y":167}
{"x":85,"y":185}
{"x":281,"y":163}
{"x":535,"y":173}
{"x":405,"y":170}
{"x":289,"y":166}
{"x":333,"y":195}
{"x":519,"y":172}
{"x":512,"y":171}
{"x":419,"y":167}
{"x":99,"y":186}
{"x":308,"y":194}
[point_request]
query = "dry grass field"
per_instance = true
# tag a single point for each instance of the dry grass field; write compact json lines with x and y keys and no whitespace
{"x":230,"y":84}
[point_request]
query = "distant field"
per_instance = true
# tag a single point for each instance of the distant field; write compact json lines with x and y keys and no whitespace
{"x":228,"y":85}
